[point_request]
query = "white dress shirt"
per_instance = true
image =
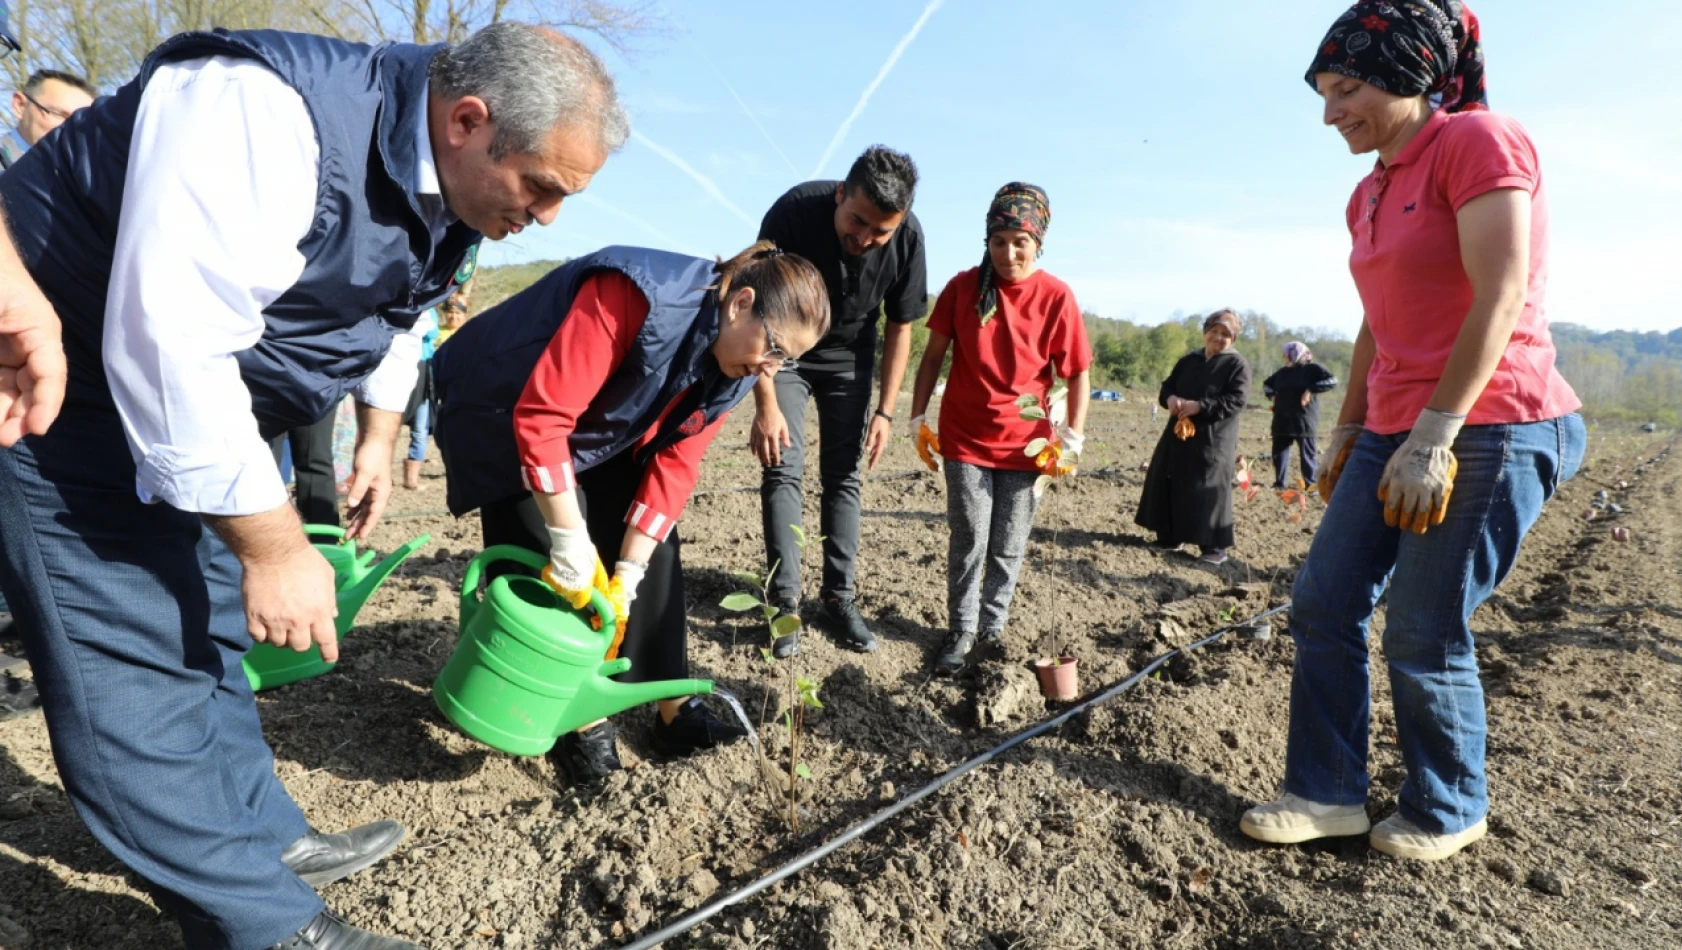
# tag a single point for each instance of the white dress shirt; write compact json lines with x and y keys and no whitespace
{"x":220,"y":190}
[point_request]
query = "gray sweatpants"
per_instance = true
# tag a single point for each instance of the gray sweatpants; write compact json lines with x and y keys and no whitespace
{"x":991,"y":511}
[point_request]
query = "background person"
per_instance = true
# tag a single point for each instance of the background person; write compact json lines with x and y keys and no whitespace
{"x":1456,"y":429}
{"x":1011,"y":328}
{"x":47,"y":98}
{"x":864,"y":240}
{"x":573,"y":416}
{"x":1295,"y":390}
{"x":1188,"y":489}
{"x":231,"y":268}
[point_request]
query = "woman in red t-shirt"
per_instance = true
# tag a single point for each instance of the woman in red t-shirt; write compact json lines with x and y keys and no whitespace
{"x":1456,"y":430}
{"x":1011,"y":327}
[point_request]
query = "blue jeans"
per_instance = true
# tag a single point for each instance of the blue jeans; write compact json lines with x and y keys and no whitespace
{"x":133,"y":623}
{"x":1436,"y":581}
{"x":419,"y":429}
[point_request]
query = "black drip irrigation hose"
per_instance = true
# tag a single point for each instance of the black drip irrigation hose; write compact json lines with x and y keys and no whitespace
{"x":824,"y":850}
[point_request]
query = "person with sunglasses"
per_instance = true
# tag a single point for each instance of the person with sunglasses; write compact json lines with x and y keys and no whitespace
{"x":47,"y":99}
{"x":573,"y":417}
{"x":869,"y":247}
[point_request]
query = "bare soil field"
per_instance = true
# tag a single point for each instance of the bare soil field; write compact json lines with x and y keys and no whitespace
{"x":1118,"y":830}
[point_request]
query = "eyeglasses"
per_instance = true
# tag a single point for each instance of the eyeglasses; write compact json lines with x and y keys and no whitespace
{"x":58,"y":114}
{"x":774,"y":351}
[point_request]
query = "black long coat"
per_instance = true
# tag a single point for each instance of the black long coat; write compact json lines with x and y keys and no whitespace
{"x":1291,"y":419}
{"x":1188,"y":490}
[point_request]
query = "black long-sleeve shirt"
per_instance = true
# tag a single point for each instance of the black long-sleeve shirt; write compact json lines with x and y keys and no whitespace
{"x":1292,"y":419}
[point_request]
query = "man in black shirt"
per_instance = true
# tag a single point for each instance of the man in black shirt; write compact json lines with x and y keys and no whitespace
{"x":868,"y":245}
{"x":1295,"y":390}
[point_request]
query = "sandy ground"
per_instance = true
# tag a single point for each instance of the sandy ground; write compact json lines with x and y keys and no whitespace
{"x":1119,"y":830}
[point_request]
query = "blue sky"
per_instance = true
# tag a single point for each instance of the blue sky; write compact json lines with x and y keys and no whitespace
{"x":1183,"y":153}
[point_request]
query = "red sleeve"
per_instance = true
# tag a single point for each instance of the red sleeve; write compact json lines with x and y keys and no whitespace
{"x":669,"y":480}
{"x":606,"y":315}
{"x":1070,"y":351}
{"x":1483,"y":152}
{"x":945,"y":308}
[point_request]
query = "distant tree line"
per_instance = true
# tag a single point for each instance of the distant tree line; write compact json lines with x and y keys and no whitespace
{"x":1622,"y":374}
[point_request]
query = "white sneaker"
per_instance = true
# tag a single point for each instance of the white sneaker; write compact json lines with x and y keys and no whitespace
{"x":1398,"y":837}
{"x":1290,"y":819}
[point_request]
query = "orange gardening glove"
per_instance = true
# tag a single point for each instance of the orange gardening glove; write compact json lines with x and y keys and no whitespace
{"x":1418,"y":480}
{"x":1185,"y":429}
{"x":928,"y":444}
{"x":1338,"y":446}
{"x":622,"y":592}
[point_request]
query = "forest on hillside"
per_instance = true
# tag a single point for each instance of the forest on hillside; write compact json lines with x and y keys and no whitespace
{"x":1620,"y":374}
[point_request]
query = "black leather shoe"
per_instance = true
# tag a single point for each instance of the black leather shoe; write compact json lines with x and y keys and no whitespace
{"x":693,"y":729}
{"x":17,"y":697}
{"x":954,"y":652}
{"x":327,"y":932}
{"x":788,"y":646}
{"x":841,"y":618}
{"x":587,"y":758}
{"x":321,"y":859}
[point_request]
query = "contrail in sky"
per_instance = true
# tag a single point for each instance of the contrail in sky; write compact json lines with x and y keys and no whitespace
{"x":666,"y":240}
{"x":686,"y":168}
{"x":887,"y":67}
{"x":755,"y":119}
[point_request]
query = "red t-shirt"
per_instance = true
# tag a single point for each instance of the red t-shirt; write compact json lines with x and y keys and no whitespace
{"x":606,"y":315}
{"x":1036,"y":332}
{"x":1407,"y":268}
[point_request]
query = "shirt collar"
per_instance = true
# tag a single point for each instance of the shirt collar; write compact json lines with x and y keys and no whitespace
{"x":426,"y":168}
{"x":1421,"y":141}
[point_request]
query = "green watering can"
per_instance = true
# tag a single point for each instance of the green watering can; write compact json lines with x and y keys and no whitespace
{"x":529,"y":668}
{"x":268,"y":666}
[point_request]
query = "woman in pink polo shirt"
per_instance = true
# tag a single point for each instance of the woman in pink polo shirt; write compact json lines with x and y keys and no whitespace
{"x":1456,"y":430}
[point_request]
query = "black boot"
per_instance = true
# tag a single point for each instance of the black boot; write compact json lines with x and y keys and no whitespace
{"x":954,"y":652}
{"x":789,"y":645}
{"x":588,"y":757}
{"x":17,"y":696}
{"x":321,"y":859}
{"x":693,"y":728}
{"x":843,"y":621}
{"x":327,"y":932}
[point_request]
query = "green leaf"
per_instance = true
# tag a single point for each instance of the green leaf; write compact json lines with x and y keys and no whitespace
{"x":768,"y":611}
{"x":1036,"y":447}
{"x":748,"y":577}
{"x":801,"y":770}
{"x":766,"y":653}
{"x":740,"y":601}
{"x":799,"y":534}
{"x":1027,"y":399}
{"x":784,"y":625}
{"x":1041,"y":484}
{"x":1059,"y":393}
{"x":1032,"y":414}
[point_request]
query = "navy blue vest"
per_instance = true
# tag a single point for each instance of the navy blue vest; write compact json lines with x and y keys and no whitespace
{"x":482,"y":369}
{"x":371,"y":266}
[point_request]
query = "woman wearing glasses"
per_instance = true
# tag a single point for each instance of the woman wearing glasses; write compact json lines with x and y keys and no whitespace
{"x":573,"y":417}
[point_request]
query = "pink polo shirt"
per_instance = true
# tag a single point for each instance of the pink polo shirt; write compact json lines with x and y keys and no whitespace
{"x":1406,"y":264}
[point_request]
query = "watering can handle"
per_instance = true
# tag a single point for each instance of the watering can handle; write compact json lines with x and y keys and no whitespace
{"x":476,"y":567}
{"x":332,"y":531}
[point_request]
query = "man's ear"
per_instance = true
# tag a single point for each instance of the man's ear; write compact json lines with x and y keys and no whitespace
{"x":467,"y":116}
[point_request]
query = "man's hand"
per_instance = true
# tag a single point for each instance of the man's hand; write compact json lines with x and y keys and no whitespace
{"x":769,"y":435}
{"x":32,"y":367}
{"x":876,"y":440}
{"x":287,"y":586}
{"x":370,"y":476}
{"x":1419,"y":478}
{"x":1338,"y":446}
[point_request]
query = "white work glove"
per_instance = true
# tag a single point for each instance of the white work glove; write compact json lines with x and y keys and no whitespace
{"x":1338,"y":446}
{"x":1419,"y":479}
{"x":574,"y":566}
{"x":1073,"y":442}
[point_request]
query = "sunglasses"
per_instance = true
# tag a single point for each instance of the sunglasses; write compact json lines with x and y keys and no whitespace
{"x":58,"y":114}
{"x":774,"y":350}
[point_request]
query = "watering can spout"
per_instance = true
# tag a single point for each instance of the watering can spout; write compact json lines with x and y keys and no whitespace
{"x":599,"y":697}
{"x":366,"y":580}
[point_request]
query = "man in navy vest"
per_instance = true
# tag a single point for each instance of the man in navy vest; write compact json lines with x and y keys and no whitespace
{"x":234,"y":241}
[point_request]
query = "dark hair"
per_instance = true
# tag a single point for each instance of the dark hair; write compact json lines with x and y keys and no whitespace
{"x":889,"y":178}
{"x":38,"y":78}
{"x":788,"y":291}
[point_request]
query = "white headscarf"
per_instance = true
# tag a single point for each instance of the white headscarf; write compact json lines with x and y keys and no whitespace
{"x":1297,"y":353}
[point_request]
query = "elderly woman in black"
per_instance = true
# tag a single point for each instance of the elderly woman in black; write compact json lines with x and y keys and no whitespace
{"x":1188,"y":490}
{"x":1295,"y":392}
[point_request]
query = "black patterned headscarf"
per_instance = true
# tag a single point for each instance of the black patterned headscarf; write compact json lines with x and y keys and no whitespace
{"x":1017,"y":206}
{"x":1409,"y":48}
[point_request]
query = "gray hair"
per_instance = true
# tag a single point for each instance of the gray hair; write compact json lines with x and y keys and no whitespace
{"x":533,"y":81}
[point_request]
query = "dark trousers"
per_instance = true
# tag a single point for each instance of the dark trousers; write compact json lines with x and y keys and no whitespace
{"x":843,"y":401}
{"x":656,"y":639}
{"x":132,"y":620}
{"x":1307,"y":451}
{"x":317,"y":488}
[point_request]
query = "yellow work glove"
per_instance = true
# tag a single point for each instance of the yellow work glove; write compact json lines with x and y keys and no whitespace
{"x":574,"y":567}
{"x":1338,"y":446}
{"x":622,"y":592}
{"x":1185,"y":428}
{"x":928,"y":444}
{"x":1419,"y":479}
{"x":1062,"y":454}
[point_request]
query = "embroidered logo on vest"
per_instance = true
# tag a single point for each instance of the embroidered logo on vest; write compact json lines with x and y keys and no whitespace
{"x":694,"y":424}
